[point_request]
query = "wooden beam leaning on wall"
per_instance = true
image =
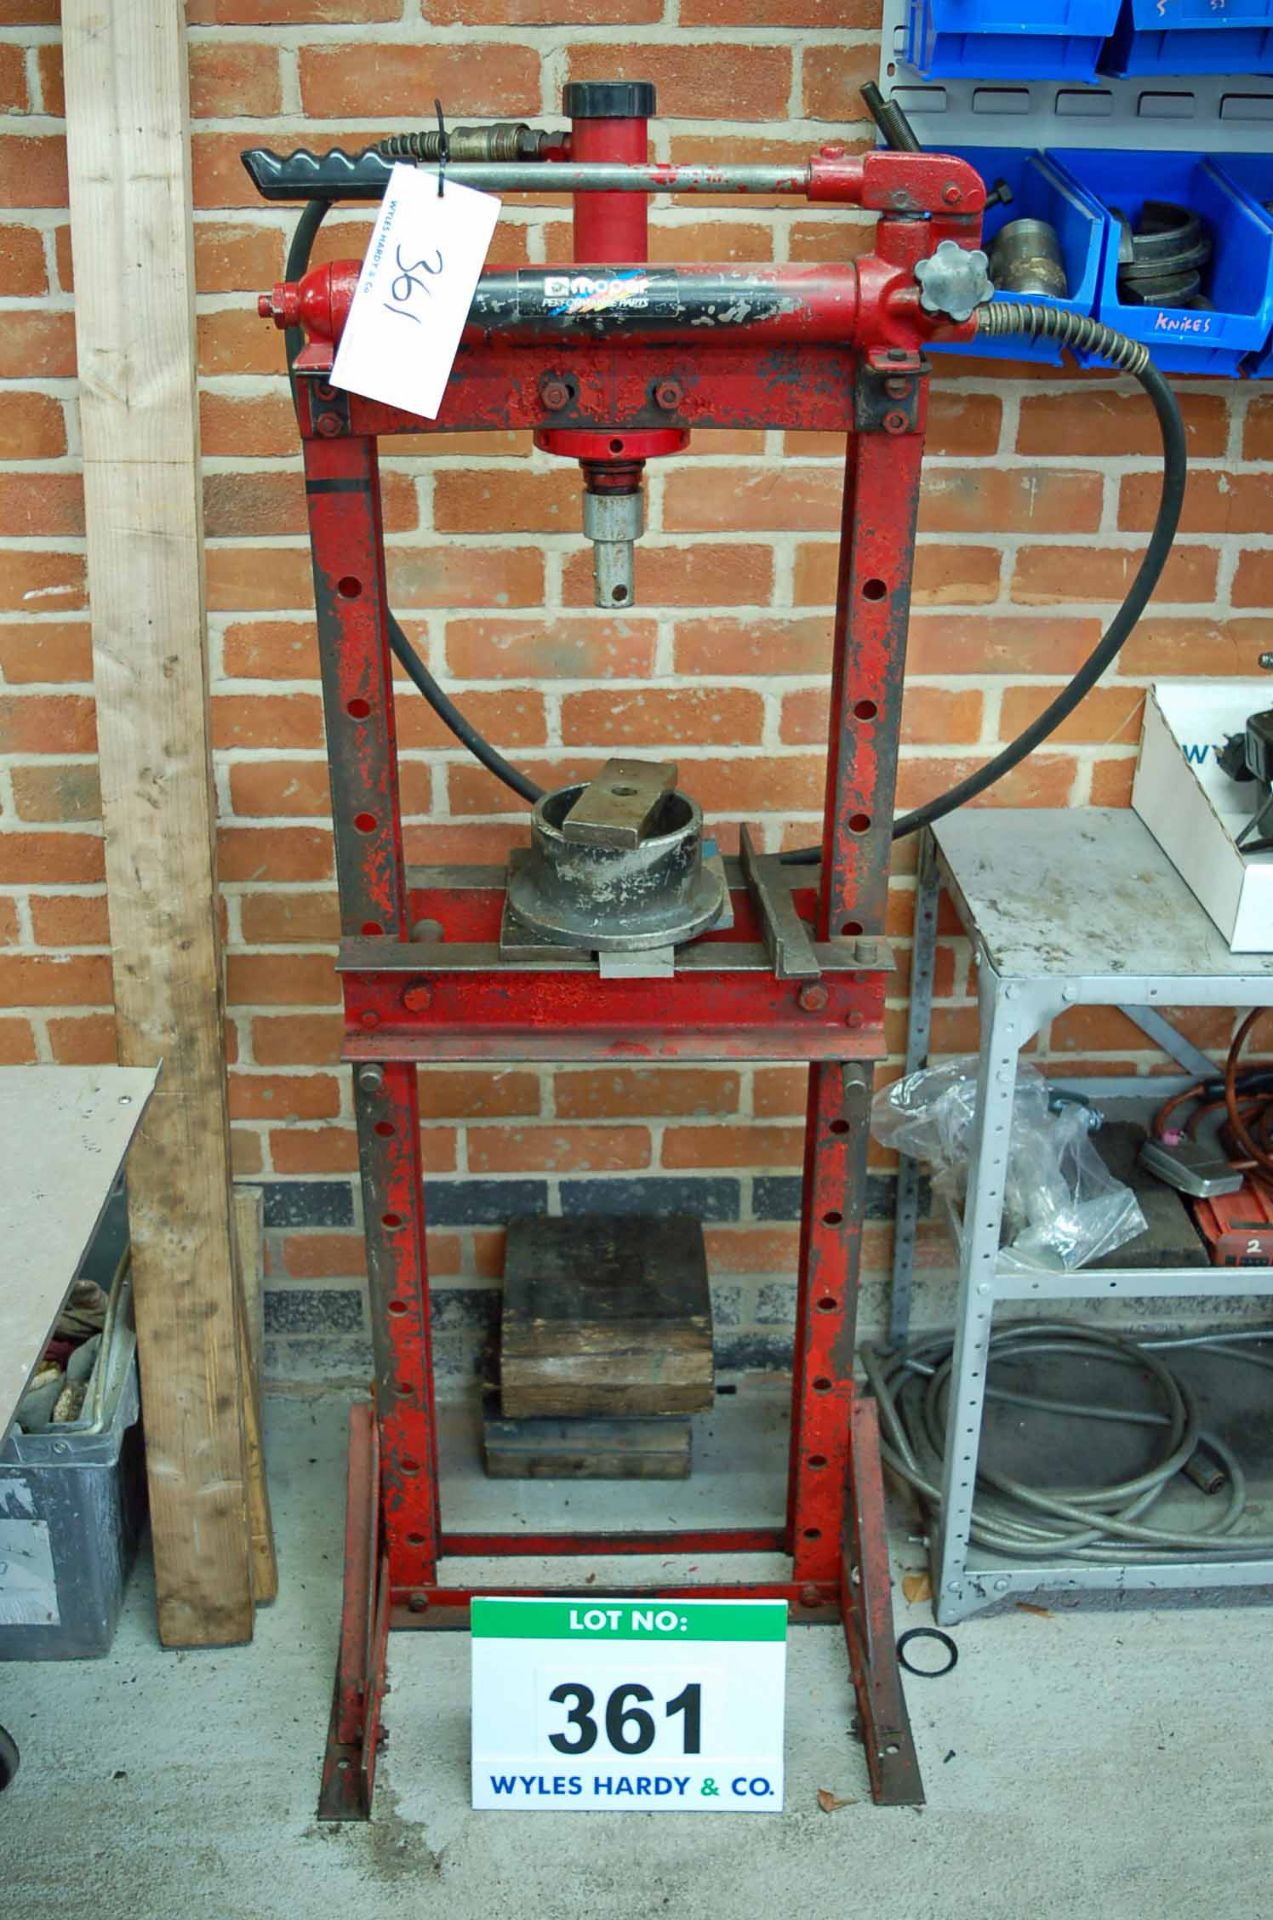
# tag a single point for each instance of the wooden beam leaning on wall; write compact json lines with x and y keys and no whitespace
{"x":129,"y":153}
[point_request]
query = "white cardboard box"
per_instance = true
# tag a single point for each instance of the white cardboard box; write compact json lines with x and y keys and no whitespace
{"x":1195,"y":812}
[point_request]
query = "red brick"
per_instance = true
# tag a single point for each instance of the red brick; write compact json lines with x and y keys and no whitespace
{"x":46,"y":505}
{"x":234,"y":79}
{"x":22,"y":268}
{"x":748,"y":1145}
{"x":314,"y":1150}
{"x":245,"y":1153}
{"x":384,"y":78}
{"x":286,"y":13}
{"x":1162,"y":645}
{"x":945,"y":574}
{"x":844,"y":237}
{"x":697,"y":575}
{"x":663,"y":717}
{"x":278,"y":720}
{"x":494,"y":500}
{"x":1108,"y":716}
{"x":1257,"y":435}
{"x":30,"y":13}
{"x":9,"y":929}
{"x":1094,"y":421}
{"x":230,"y":258}
{"x":284,"y":1096}
{"x":570,"y":647}
{"x":930,"y":716}
{"x":1043,"y":780}
{"x":787,"y":498}
{"x":230,"y":422}
{"x":36,"y":346}
{"x":778,"y":1091}
{"x":982,"y":499}
{"x":1253,"y":582}
{"x":1106,"y":1030}
{"x":41,"y":582}
{"x":1112,"y":781}
{"x":63,"y":791}
{"x":32,"y":427}
{"x":52,"y":81}
{"x":477,"y":1093}
{"x":17,"y":1043}
{"x":70,"y":920}
{"x":55,"y":980}
{"x":1214,"y":502}
{"x":999,"y":643}
{"x":752,"y":1249}
{"x":1058,"y":576}
{"x":270,"y":650}
{"x":297,"y":1039}
{"x":275,"y":918}
{"x":755,"y":81}
{"x":290,"y":788}
{"x":465,"y":576}
{"x":761,"y":645}
{"x":689,"y":242}
{"x":615,"y":1092}
{"x":328,"y":1256}
{"x":833,"y":74}
{"x":49,"y":859}
{"x":47,"y":723}
{"x":33,"y":170}
{"x":269,"y":853}
{"x":281,"y":980}
{"x":257,"y":579}
{"x":86,"y":1041}
{"x":235,"y":340}
{"x":255,"y":505}
{"x":544,"y":13}
{"x":548,"y":1149}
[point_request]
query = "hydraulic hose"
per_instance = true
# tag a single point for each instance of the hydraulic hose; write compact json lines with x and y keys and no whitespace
{"x":997,"y":318}
{"x":1103,"y":1523}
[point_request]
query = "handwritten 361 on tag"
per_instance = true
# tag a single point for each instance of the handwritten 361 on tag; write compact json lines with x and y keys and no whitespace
{"x":415,"y":290}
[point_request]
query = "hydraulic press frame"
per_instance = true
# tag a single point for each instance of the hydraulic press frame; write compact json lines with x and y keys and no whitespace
{"x":835,"y":348}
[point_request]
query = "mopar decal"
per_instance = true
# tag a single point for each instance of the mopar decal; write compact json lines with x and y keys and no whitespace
{"x":576,"y":293}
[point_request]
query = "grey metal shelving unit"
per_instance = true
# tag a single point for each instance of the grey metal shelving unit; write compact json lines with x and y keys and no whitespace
{"x":1079,"y":907}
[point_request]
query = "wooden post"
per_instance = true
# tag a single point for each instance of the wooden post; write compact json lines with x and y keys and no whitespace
{"x":129,"y":152}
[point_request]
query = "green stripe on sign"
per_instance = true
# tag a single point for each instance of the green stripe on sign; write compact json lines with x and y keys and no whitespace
{"x":584,"y":1620}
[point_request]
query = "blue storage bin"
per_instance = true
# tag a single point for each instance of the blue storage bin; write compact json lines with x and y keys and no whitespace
{"x":1191,"y":36}
{"x":1238,"y":280}
{"x":1040,"y":191}
{"x":995,"y":39}
{"x":1253,"y":173}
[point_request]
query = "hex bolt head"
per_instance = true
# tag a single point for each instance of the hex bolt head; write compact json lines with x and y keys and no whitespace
{"x":812,"y":997}
{"x":951,"y":194}
{"x":369,"y":1020}
{"x":854,"y":1019}
{"x":418,"y":1603}
{"x":897,"y":386}
{"x":895,"y":423}
{"x":371,"y":1079}
{"x":1266,"y":661}
{"x":668,"y":394}
{"x":328,"y":425}
{"x":419,"y":998}
{"x":554,"y":394}
{"x":809,"y":1596}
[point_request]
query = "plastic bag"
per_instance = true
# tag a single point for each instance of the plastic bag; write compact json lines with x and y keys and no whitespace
{"x":1062,"y":1208}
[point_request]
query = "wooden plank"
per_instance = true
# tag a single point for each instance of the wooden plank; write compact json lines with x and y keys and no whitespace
{"x":249,"y":1235}
{"x":605,"y":1315}
{"x":583,"y":1449}
{"x":83,"y":1119}
{"x":129,"y":157}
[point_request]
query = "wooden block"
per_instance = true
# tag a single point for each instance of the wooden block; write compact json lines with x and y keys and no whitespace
{"x":607,"y":1316}
{"x":583,"y":1449}
{"x":249,"y":1233}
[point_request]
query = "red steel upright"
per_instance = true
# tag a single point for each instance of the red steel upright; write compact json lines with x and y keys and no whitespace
{"x":835,"y":347}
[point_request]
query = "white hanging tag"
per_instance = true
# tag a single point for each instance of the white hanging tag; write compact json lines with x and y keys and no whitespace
{"x":415,"y":291}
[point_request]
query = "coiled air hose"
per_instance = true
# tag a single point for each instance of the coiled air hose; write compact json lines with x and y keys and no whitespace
{"x":998,"y":318}
{"x":1104,"y":1524}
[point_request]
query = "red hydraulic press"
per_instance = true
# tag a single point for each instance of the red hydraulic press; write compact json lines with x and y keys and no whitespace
{"x":612,"y":362}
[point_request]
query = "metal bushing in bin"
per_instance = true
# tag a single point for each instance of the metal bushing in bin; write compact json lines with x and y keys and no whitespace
{"x":611,"y":899}
{"x":1026,"y":258}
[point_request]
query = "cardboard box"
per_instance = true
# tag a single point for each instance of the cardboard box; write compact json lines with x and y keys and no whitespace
{"x":1195,"y":812}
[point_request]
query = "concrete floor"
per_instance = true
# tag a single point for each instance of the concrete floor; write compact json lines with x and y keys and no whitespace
{"x":1108,"y":1763}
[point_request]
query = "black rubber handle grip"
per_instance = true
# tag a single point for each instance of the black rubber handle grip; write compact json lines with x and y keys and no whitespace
{"x":318,"y":176}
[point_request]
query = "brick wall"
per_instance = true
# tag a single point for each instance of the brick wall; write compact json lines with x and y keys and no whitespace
{"x":1038,"y":493}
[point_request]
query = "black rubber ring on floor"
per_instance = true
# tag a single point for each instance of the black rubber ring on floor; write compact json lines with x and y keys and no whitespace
{"x":928,"y":1633}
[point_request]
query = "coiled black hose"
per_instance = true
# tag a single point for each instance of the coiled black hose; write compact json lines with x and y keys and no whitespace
{"x":999,"y":317}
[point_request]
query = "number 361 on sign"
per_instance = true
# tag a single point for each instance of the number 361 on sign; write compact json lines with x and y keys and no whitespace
{"x":629,"y":1705}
